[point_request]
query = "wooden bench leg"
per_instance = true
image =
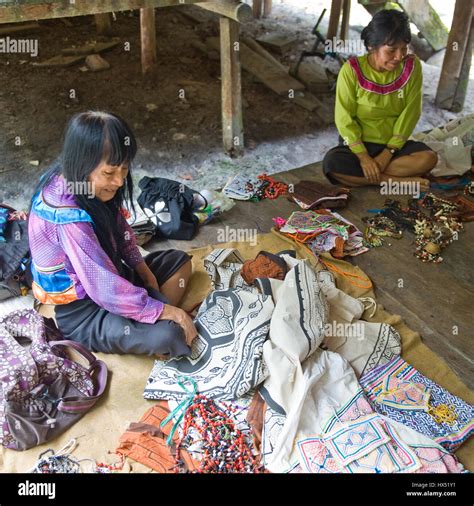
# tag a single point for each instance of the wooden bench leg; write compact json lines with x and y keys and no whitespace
{"x":232,"y":123}
{"x":148,"y":39}
{"x":257,"y":8}
{"x":103,"y":23}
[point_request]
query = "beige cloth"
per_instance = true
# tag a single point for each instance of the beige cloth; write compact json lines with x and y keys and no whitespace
{"x":99,"y":431}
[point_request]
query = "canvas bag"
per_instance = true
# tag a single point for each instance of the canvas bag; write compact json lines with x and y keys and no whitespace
{"x":170,"y":207}
{"x":43,"y":391}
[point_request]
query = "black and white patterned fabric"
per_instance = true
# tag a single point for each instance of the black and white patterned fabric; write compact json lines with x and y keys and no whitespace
{"x":226,"y":360}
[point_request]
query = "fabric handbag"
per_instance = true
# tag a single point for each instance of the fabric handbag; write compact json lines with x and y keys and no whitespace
{"x":14,"y":254}
{"x":313,"y":195}
{"x":170,"y":207}
{"x":43,"y":391}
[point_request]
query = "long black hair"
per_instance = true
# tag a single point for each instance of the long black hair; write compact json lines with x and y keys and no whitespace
{"x":387,"y":27}
{"x":91,"y":138}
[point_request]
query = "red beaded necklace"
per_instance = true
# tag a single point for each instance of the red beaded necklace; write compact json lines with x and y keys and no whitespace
{"x":226,"y":449}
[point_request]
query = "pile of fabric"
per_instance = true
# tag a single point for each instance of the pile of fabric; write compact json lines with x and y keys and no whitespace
{"x":436,"y":222}
{"x":271,"y":374}
{"x":323,"y":231}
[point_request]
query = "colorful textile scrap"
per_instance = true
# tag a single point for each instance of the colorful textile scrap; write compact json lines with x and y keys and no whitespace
{"x":402,"y":393}
{"x":325,"y":230}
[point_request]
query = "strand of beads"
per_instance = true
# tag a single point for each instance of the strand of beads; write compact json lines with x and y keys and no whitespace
{"x":226,"y":449}
{"x":271,"y":189}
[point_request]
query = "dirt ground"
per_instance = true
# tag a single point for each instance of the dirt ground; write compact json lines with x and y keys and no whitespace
{"x":179,"y":139}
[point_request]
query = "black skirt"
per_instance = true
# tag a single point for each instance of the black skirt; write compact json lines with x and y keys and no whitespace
{"x":341,"y":160}
{"x":101,"y":331}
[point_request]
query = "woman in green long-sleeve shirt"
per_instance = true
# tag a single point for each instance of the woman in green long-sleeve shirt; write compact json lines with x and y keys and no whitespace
{"x":378,"y":104}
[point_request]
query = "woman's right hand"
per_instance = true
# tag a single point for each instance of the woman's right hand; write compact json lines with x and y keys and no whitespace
{"x":181,"y":318}
{"x":370,"y":168}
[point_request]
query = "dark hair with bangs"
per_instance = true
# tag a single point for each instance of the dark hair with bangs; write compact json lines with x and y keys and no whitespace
{"x":90,"y":138}
{"x":387,"y":27}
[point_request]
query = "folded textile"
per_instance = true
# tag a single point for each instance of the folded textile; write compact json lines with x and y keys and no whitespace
{"x":242,"y":187}
{"x":265,"y":265}
{"x":311,"y":195}
{"x":402,"y":393}
{"x":405,"y":450}
{"x":226,"y":356}
{"x":145,"y":442}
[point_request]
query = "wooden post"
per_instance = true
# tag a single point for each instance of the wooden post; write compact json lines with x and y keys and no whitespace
{"x":103,"y":23}
{"x":336,"y":6}
{"x":267,"y":8}
{"x":148,"y":39}
{"x":454,"y":59}
{"x":346,"y":11}
{"x":257,"y":8}
{"x":460,"y":95}
{"x":232,"y":124}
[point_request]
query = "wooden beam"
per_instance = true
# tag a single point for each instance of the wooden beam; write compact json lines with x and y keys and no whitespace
{"x":12,"y":12}
{"x":336,"y":6}
{"x":257,"y":8}
{"x":103,"y":23}
{"x":148,"y":39}
{"x":232,"y":123}
{"x":232,"y":9}
{"x":455,"y":53}
{"x":267,"y":8}
{"x":346,"y":11}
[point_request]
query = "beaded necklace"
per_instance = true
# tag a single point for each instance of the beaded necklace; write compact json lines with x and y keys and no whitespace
{"x":226,"y":449}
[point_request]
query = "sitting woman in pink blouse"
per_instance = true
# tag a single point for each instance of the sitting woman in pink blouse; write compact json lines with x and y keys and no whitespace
{"x":85,"y":259}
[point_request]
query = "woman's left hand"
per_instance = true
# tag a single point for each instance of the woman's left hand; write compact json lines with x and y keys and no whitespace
{"x":383,"y":159}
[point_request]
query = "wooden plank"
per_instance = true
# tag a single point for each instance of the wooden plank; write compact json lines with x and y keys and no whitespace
{"x":255,"y":46}
{"x":336,"y":6}
{"x":266,"y":72}
{"x":232,"y":123}
{"x":277,"y":42}
{"x":346,"y":11}
{"x":454,"y":57}
{"x":426,"y":19}
{"x":18,"y":28}
{"x":306,"y":100}
{"x":12,"y":12}
{"x":103,"y":23}
{"x":97,"y":47}
{"x":232,"y":9}
{"x":60,"y":61}
{"x":148,"y":40}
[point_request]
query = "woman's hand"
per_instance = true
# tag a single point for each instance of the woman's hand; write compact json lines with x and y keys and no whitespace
{"x":383,"y":159}
{"x":181,"y":318}
{"x":370,"y":168}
